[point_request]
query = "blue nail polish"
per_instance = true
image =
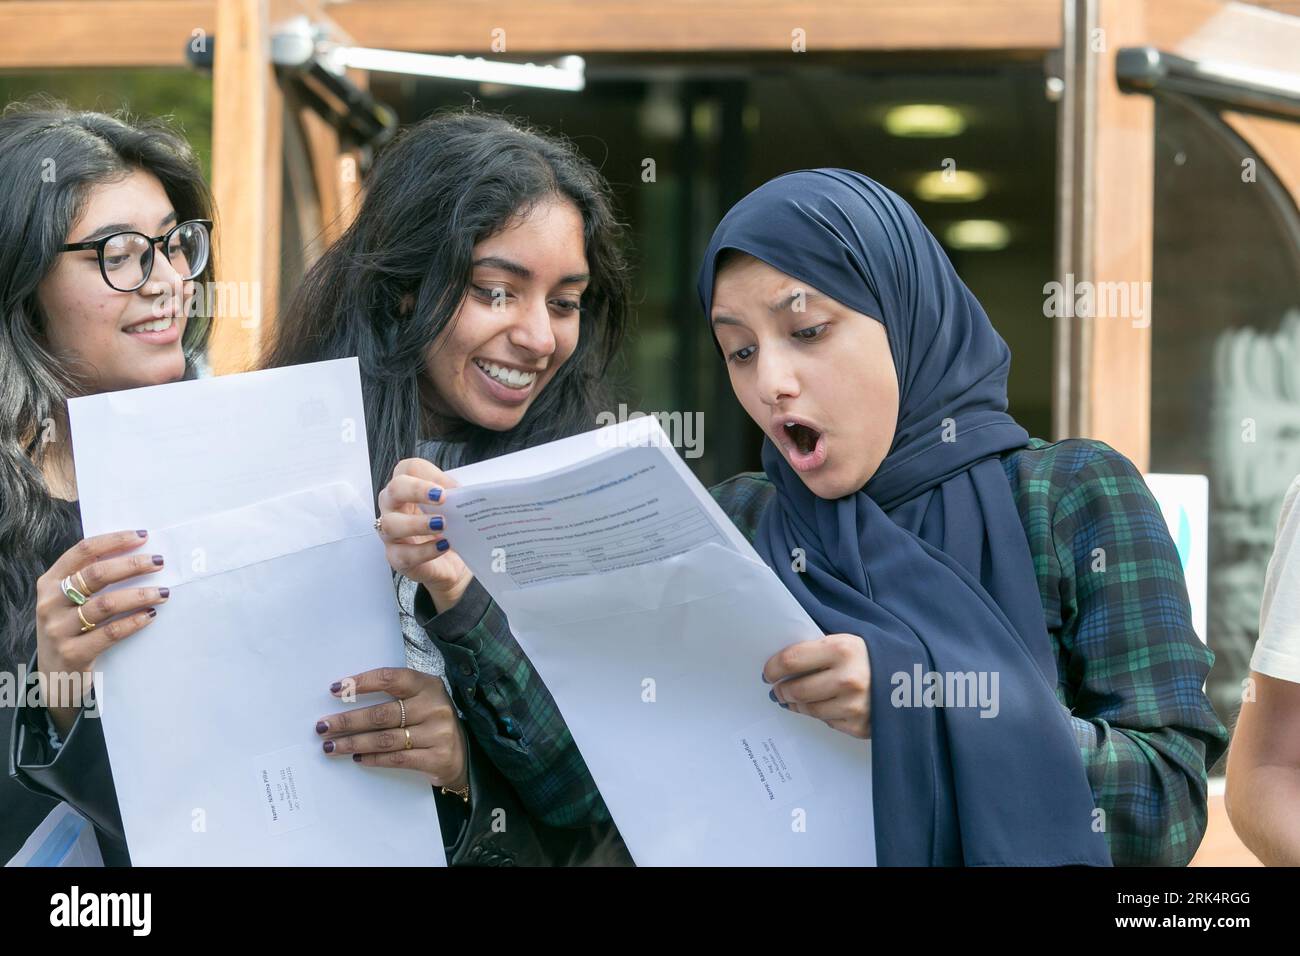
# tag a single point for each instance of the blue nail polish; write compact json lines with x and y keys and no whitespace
{"x":785,"y":706}
{"x":435,"y":494}
{"x":764,"y":676}
{"x":435,"y":523}
{"x":772,"y":694}
{"x":444,"y":544}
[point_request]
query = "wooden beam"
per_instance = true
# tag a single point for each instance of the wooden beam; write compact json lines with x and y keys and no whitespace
{"x":1118,"y":373}
{"x":579,"y":26}
{"x":1116,"y":366}
{"x":47,"y":35}
{"x":246,"y":173}
{"x":1263,"y":38}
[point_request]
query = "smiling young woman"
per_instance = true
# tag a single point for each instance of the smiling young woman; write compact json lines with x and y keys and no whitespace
{"x":483,"y":289}
{"x":104,"y":233}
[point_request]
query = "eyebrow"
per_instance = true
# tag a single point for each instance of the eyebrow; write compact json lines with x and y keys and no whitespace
{"x":113,"y":227}
{"x":523,"y":272}
{"x":787,"y":301}
{"x":728,"y":320}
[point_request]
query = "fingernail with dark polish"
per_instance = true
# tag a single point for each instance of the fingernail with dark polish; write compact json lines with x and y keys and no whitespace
{"x":164,"y":593}
{"x":764,"y":676}
{"x":329,"y":746}
{"x":153,"y":612}
{"x":356,"y":758}
{"x":435,"y":523}
{"x":444,"y":544}
{"x":785,"y":706}
{"x":435,"y":494}
{"x":143,"y":534}
{"x":322,"y":727}
{"x":336,"y":687}
{"x":158,"y":560}
{"x":772,"y":695}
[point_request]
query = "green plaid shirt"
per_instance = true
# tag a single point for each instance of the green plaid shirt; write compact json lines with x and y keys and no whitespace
{"x":1130,"y":668}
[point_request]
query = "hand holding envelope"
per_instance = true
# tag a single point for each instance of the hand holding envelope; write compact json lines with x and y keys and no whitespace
{"x":257,"y":491}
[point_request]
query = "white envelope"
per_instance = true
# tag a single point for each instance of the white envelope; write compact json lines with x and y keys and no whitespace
{"x":262,"y":509}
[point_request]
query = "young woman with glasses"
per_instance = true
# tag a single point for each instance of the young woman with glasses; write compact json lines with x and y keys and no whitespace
{"x":104,"y":235}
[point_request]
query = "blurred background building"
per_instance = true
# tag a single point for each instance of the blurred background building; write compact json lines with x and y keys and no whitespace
{"x":1148,"y":150}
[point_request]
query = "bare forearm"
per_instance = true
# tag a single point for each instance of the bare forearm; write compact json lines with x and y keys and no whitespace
{"x":1261,"y":805}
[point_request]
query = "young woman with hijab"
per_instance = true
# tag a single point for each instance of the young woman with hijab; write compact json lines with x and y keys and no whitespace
{"x":935,"y":537}
{"x":104,"y":235}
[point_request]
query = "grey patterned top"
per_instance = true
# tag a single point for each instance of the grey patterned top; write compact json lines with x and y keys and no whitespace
{"x":421,"y":653}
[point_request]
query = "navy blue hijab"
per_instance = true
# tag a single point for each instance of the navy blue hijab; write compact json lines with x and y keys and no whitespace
{"x":928,"y":561}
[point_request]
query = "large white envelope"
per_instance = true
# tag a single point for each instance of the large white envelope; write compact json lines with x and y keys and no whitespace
{"x":256,"y":490}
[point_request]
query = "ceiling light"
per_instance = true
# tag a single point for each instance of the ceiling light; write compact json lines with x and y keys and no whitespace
{"x":951,"y":185}
{"x":930,"y":120}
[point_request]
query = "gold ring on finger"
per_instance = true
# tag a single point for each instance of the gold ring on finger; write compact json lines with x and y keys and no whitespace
{"x":407,"y":731}
{"x":379,"y":525}
{"x":85,"y":625}
{"x":70,"y":591}
{"x":402,"y":705}
{"x":82,"y":586}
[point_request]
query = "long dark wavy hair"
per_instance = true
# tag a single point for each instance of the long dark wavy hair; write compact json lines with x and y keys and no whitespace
{"x":50,"y":159}
{"x":395,"y":279}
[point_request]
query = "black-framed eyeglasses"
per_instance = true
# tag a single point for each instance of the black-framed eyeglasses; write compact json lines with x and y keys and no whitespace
{"x":126,"y":258}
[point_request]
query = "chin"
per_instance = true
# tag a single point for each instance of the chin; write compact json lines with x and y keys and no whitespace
{"x":160,"y":372}
{"x":827,"y":483}
{"x":497,"y":419}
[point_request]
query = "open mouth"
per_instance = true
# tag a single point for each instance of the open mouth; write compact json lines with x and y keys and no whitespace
{"x":509,"y":377}
{"x":804,"y":445}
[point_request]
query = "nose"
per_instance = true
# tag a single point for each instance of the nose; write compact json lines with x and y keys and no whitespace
{"x":532,"y":331}
{"x":777,"y":379}
{"x":163,"y":274}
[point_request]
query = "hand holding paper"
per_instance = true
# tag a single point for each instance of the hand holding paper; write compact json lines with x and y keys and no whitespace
{"x":650,"y":618}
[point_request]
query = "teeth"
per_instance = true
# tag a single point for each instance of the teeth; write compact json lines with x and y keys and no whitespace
{"x":510,"y":377}
{"x":153,"y":325}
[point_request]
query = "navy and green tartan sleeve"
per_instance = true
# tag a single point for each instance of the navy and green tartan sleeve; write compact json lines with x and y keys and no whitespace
{"x":1131,"y":669}
{"x":510,"y":712}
